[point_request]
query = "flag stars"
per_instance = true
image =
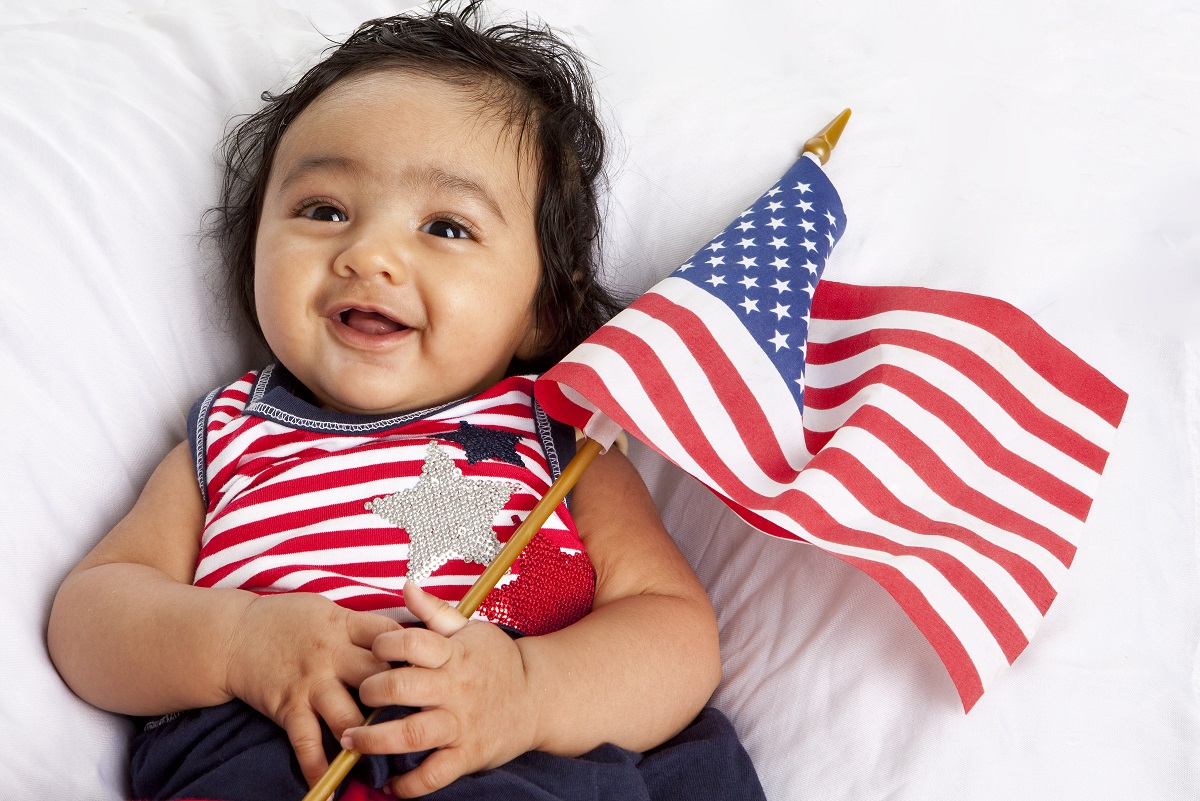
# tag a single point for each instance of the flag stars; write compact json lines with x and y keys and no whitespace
{"x":745,"y":225}
{"x":808,"y":265}
{"x":804,"y":205}
{"x":747,"y":211}
{"x":809,"y":244}
{"x":781,"y":286}
{"x":749,"y":305}
{"x":715,"y":246}
{"x":779,"y":263}
{"x":807,"y":225}
{"x":748,"y":282}
{"x":780,"y":311}
{"x":779,"y":341}
{"x":716,"y":261}
{"x":776,"y":222}
{"x":778,"y":242}
{"x":716,"y":280}
{"x":685,"y":267}
{"x":748,"y":262}
{"x":747,"y":243}
{"x":775,"y":190}
{"x":832,"y":219}
{"x":803,"y":188}
{"x":829,"y":236}
{"x":774,"y":205}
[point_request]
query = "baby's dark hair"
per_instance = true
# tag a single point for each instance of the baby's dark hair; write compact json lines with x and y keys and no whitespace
{"x":546,"y":87}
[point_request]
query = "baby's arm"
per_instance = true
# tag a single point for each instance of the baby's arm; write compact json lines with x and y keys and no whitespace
{"x":634,"y":672}
{"x":129,"y":633}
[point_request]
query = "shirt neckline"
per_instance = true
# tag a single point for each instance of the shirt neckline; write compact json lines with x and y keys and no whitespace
{"x":272,"y":398}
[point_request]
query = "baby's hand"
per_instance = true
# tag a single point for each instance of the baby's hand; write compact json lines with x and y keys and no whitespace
{"x":469,"y":681}
{"x":293,"y":657}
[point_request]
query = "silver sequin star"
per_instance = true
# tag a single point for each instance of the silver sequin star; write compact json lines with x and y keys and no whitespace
{"x":446,"y":514}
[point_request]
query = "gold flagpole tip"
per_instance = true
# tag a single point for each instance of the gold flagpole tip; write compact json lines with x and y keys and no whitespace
{"x":827,"y":138}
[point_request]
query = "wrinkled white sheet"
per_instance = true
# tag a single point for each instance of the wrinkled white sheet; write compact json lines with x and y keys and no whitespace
{"x":1040,"y":152}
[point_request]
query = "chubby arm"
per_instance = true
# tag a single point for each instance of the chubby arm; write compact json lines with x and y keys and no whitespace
{"x":129,"y":633}
{"x":642,"y":664}
{"x":633,"y":672}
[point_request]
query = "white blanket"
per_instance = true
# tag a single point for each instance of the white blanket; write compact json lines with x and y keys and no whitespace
{"x":1039,"y":152}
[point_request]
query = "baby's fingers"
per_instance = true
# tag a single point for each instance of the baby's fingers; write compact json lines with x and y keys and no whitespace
{"x":364,"y":627}
{"x":420,"y":647}
{"x":420,"y":731}
{"x":304,"y":733}
{"x":435,"y":772}
{"x":435,"y":613}
{"x":406,"y":686}
{"x":336,"y":707}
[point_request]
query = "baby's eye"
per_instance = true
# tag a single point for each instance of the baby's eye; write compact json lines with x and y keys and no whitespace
{"x":446,"y":229}
{"x":322,"y":212}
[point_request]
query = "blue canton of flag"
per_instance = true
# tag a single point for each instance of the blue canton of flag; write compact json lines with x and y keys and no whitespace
{"x":765,"y":265}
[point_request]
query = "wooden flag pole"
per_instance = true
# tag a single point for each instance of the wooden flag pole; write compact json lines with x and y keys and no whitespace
{"x":475,"y":596}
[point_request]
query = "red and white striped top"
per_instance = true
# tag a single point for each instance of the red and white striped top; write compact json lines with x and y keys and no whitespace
{"x":303,"y":499}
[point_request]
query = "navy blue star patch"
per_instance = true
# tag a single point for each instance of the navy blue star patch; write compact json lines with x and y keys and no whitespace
{"x":485,"y":443}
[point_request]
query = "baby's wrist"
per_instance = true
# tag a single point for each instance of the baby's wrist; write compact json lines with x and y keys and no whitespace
{"x":537,"y":711}
{"x":233,"y":644}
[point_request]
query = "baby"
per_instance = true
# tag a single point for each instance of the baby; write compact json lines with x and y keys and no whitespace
{"x":413,"y":230}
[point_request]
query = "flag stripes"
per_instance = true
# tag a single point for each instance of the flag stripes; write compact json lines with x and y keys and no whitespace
{"x":948,"y":447}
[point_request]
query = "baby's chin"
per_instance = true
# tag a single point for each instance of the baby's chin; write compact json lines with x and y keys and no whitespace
{"x":366,"y":400}
{"x":374,"y":404}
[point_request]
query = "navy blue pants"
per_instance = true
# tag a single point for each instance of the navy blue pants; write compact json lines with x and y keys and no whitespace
{"x":232,"y":753}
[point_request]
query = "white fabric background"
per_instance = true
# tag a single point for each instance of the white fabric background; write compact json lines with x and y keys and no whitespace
{"x":1040,"y":152}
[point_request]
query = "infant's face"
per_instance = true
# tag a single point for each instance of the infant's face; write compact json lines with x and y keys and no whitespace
{"x":397,"y":255}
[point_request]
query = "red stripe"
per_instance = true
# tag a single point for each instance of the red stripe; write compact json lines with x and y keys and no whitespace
{"x":945,"y":642}
{"x":877,"y":499}
{"x":981,"y":373}
{"x":1031,"y":476}
{"x":1053,"y":361}
{"x":950,"y":487}
{"x":751,"y":423}
{"x":555,"y":402}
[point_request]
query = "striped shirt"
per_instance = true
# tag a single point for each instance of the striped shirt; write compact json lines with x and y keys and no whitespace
{"x":303,"y":499}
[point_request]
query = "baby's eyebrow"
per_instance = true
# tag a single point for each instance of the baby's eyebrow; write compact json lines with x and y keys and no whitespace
{"x":459,"y":184}
{"x":320,"y":163}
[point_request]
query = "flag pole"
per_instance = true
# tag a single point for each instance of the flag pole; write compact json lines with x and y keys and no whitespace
{"x":827,"y":138}
{"x":587,"y":452}
{"x":820,"y":145}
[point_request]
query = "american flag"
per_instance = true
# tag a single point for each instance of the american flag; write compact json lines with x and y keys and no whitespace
{"x":941,"y":442}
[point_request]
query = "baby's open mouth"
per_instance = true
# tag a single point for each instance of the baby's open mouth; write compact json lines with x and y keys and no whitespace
{"x":369,"y":322}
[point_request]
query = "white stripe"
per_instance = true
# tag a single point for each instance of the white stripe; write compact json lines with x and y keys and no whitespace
{"x":702,"y":402}
{"x":964,"y":463}
{"x":986,"y":345}
{"x":710,"y":415}
{"x":769,"y":388}
{"x":913,"y":492}
{"x":622,"y":383}
{"x":978,"y":405}
{"x":296,"y":578}
{"x":477,"y":405}
{"x":982,"y":649}
{"x":216,"y":560}
{"x":998,"y":580}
